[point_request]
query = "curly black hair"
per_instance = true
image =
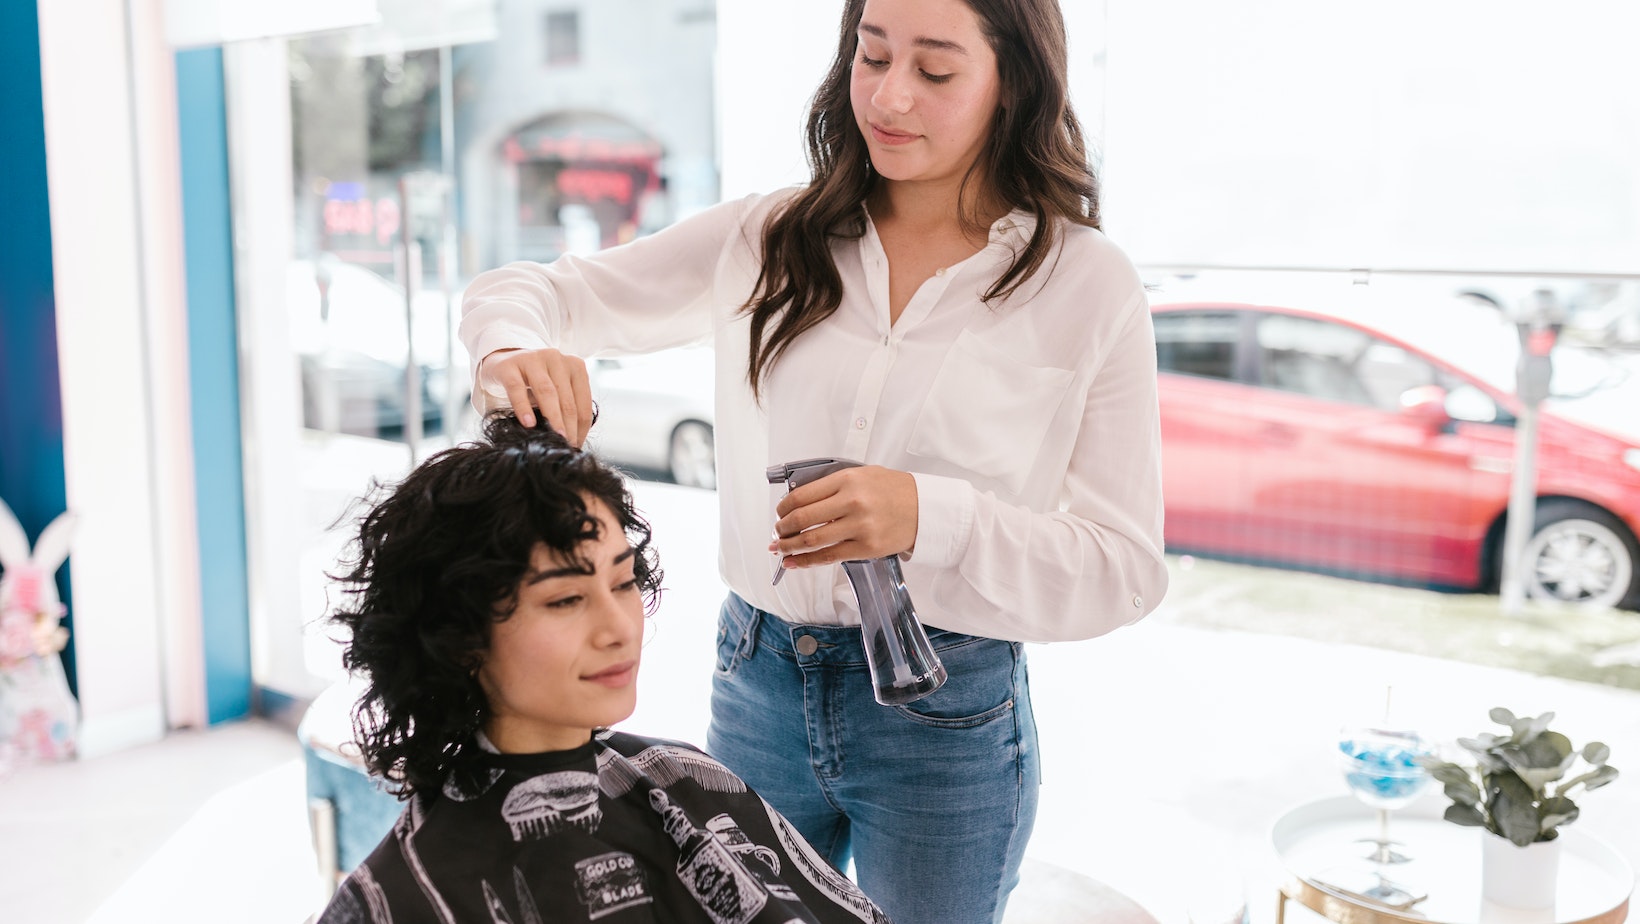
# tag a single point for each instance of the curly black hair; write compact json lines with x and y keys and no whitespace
{"x":437,"y":562}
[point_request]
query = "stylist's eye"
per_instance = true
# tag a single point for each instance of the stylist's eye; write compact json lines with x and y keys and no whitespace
{"x":935,"y":78}
{"x":563,"y":603}
{"x":626,"y":586}
{"x":871,"y":63}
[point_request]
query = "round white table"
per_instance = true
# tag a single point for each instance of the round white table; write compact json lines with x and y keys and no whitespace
{"x":1321,"y":849}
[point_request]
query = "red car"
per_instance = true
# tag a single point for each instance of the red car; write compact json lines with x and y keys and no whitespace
{"x":1375,"y":438}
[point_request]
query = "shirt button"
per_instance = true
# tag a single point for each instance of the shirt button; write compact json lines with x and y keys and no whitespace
{"x":859,"y":423}
{"x":806,"y":645}
{"x":940,"y":271}
{"x":1138,"y":602}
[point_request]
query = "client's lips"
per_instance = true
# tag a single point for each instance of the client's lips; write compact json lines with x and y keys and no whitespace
{"x":886,"y":136}
{"x":616,"y":675}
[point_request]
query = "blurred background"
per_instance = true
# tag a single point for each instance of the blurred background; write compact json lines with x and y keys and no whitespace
{"x":240,"y":234}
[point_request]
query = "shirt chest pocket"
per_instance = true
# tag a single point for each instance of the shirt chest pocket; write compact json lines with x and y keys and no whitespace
{"x":987,"y":412}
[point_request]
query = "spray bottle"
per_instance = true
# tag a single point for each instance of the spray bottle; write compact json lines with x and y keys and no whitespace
{"x":904,"y":667}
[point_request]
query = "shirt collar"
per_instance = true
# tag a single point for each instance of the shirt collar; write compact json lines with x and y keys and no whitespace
{"x":1016,"y":227}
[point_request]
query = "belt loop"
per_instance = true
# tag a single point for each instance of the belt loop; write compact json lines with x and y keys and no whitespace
{"x":748,"y":641}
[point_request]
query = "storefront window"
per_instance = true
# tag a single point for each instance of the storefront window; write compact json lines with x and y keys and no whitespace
{"x":424,"y":149}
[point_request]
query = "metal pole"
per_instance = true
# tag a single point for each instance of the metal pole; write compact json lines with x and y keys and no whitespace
{"x":1522,"y":509}
{"x":1537,"y":321}
{"x":411,"y":263}
{"x":447,"y":238}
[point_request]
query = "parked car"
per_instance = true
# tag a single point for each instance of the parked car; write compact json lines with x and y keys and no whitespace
{"x":655,"y":412}
{"x":1374,"y":436}
{"x":350,"y":336}
{"x":1369,"y":434}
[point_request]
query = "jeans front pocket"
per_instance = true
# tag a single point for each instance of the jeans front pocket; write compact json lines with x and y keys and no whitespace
{"x":979,"y":685}
{"x":734,"y":619}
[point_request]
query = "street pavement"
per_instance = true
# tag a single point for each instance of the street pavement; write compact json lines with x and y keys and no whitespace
{"x":1169,"y":747}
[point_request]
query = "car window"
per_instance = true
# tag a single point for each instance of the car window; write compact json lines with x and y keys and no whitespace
{"x":1388,"y":372}
{"x":1311,"y":357}
{"x":1197,"y":343}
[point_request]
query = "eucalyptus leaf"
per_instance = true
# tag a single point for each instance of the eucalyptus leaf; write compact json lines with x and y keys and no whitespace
{"x":1596,"y":753}
{"x":1601,"y":777}
{"x":1539,"y":780}
{"x":1521,"y":730}
{"x":1464,"y":793}
{"x":1537,"y":726}
{"x":1466,"y":815}
{"x":1556,"y":812}
{"x":1549,"y":749}
{"x":1512,"y":805}
{"x":1450,"y":773}
{"x":1502,"y":716}
{"x":1480,"y":744}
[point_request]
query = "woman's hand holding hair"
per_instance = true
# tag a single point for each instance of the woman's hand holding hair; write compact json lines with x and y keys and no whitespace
{"x":552,"y":381}
{"x":855,"y":514}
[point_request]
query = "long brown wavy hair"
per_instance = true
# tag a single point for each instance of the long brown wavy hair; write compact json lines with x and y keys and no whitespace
{"x":1036,"y":160}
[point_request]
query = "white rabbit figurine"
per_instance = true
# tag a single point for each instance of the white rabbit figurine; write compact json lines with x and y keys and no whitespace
{"x":38,"y":715}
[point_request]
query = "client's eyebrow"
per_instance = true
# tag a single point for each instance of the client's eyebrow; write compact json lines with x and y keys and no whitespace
{"x":921,"y":41}
{"x":536,"y":577}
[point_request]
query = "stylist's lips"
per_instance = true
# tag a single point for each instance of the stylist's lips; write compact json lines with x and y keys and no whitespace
{"x":884,"y":136}
{"x":615,"y":676}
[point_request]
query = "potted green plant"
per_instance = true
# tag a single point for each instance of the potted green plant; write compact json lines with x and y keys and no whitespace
{"x":1519,"y":788}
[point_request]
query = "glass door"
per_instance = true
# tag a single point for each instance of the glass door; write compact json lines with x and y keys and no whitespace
{"x":441,"y":141}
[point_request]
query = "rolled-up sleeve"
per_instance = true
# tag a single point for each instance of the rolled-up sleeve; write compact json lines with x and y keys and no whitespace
{"x":646,"y":295}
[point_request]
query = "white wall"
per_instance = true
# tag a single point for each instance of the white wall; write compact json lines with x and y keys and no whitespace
{"x":1465,"y":134}
{"x":108,"y":419}
{"x":190,"y":23}
{"x":159,"y":202}
{"x":771,"y":56}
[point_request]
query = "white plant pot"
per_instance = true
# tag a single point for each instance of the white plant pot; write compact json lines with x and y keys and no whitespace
{"x":1519,"y":877}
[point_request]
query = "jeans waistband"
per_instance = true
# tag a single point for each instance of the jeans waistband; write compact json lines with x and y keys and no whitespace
{"x":834,"y":645}
{"x":839,"y":646}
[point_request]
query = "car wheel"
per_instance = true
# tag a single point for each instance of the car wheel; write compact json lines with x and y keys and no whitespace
{"x":692,"y":457}
{"x":1581,"y":554}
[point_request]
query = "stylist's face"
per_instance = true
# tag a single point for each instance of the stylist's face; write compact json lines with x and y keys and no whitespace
{"x":924,"y":88}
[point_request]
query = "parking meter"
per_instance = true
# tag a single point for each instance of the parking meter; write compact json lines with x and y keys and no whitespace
{"x":1538,"y":321}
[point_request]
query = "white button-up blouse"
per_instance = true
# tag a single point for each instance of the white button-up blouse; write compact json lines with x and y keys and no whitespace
{"x":1030,"y":424}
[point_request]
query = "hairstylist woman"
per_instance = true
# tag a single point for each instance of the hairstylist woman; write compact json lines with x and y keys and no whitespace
{"x":939,"y":303}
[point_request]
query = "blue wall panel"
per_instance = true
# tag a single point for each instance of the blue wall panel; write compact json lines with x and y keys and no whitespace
{"x":31,"y":409}
{"x":213,"y":368}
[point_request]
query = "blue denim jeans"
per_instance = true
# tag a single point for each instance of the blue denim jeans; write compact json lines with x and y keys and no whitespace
{"x":933,"y":800}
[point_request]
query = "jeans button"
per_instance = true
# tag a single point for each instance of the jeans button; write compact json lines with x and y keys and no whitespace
{"x":806,"y":645}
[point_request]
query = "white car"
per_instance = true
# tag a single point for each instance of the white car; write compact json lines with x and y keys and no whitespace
{"x":655,"y":412}
{"x":350,"y":335}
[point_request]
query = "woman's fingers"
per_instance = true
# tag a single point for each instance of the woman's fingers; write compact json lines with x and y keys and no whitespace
{"x":548,"y":381}
{"x":574,"y":397}
{"x":865,"y":512}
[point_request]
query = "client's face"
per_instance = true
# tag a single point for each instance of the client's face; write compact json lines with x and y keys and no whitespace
{"x":566,"y":661}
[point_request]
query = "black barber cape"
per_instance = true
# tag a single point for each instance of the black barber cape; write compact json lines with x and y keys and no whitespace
{"x":622,"y":830}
